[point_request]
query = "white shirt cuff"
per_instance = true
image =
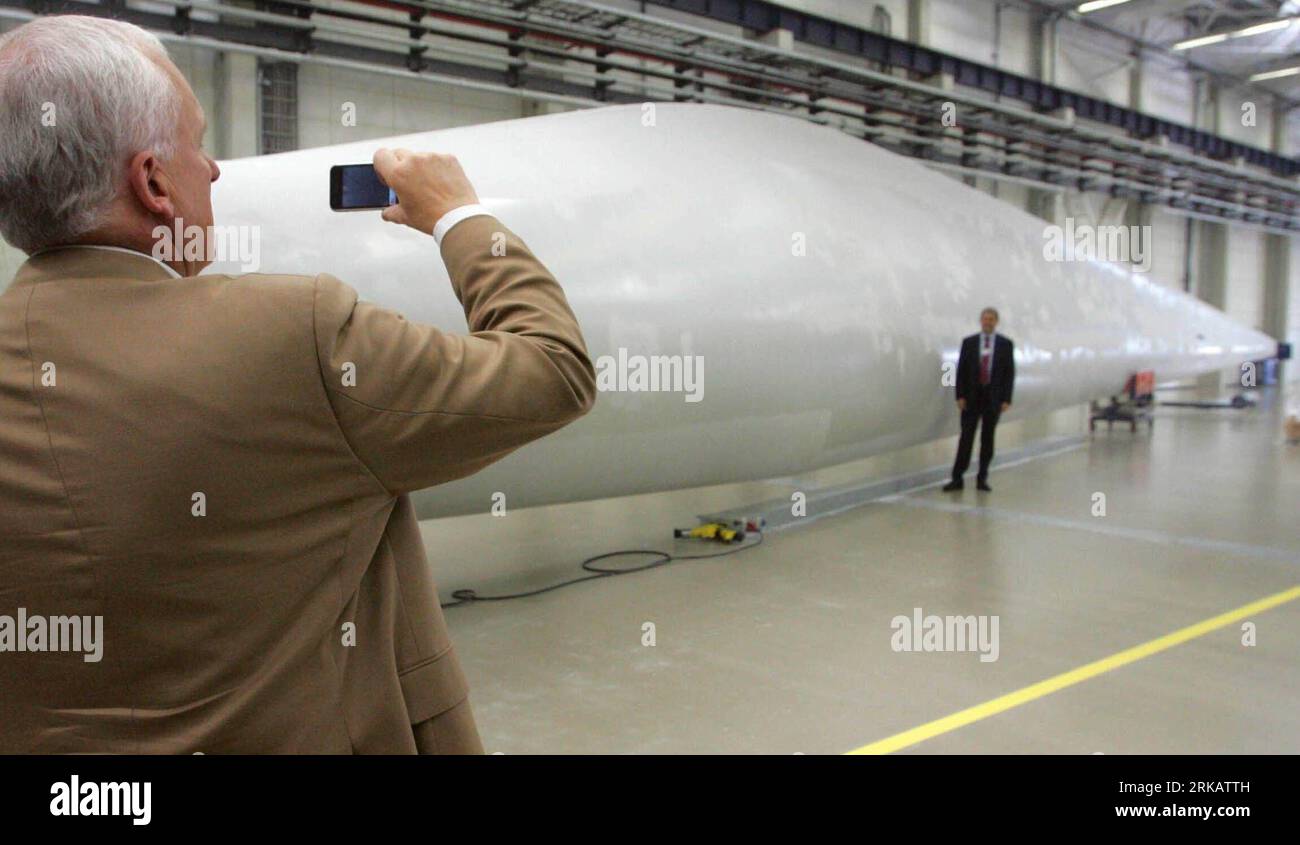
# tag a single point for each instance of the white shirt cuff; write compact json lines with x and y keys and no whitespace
{"x":451,"y":218}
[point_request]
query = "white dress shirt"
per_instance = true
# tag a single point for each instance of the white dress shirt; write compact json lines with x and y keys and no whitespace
{"x":451,"y":218}
{"x":992,"y":343}
{"x":169,"y":270}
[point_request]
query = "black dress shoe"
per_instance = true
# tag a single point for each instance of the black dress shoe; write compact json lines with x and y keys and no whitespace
{"x":983,"y":486}
{"x":953,"y":486}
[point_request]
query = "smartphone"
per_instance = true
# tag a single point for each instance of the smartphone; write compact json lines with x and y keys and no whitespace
{"x":357,"y":187}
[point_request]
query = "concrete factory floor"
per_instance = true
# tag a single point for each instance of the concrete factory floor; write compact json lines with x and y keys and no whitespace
{"x":786,"y":648}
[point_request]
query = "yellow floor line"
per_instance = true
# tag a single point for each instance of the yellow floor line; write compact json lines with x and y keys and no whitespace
{"x":1074,"y":676}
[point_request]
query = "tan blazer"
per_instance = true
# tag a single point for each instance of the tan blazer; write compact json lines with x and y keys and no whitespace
{"x":218,"y":467}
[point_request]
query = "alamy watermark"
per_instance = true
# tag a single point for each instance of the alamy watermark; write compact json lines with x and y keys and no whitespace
{"x":125,"y":798}
{"x":1083,"y":242}
{"x":655,"y":373}
{"x":34,"y":632}
{"x":946,"y":633}
{"x":241,"y":244}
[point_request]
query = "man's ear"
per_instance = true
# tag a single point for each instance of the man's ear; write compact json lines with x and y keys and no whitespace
{"x":150,"y":186}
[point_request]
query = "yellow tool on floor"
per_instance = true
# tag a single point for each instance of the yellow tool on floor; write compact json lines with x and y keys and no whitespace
{"x":712,"y":531}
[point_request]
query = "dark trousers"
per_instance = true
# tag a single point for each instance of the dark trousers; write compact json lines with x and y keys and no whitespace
{"x":980,"y":411}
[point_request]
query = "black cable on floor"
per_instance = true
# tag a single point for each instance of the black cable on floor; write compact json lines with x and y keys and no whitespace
{"x":461,"y":597}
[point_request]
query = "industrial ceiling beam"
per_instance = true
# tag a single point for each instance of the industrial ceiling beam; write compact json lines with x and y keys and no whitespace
{"x":997,"y":139}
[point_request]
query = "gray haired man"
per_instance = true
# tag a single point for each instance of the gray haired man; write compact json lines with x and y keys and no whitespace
{"x":181,"y":458}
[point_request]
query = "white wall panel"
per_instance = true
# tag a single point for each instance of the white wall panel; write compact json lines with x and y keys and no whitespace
{"x":1167,"y":92}
{"x":1293,"y":317}
{"x":388,"y":106}
{"x":1093,"y":63}
{"x":1233,"y":119}
{"x":1245,"y":295}
{"x":963,"y":28}
{"x":855,"y":12}
{"x":1017,"y":50}
{"x":1168,"y":248}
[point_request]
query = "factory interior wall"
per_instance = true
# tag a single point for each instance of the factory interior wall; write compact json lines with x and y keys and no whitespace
{"x":856,"y":14}
{"x":1093,"y":63}
{"x":963,"y":29}
{"x":1244,"y":300}
{"x":10,"y":258}
{"x":386,"y":106}
{"x":1292,"y":368}
{"x":226,"y":85}
{"x":1166,"y":91}
{"x":1168,"y":248}
{"x":1245,"y":116}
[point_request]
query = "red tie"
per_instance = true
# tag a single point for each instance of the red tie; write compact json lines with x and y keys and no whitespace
{"x":984,"y":362}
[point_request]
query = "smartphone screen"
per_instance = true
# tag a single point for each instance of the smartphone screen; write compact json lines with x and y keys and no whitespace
{"x":354,"y":187}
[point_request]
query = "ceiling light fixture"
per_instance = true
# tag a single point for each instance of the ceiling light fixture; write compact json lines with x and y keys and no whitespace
{"x":1219,"y":38}
{"x":1094,"y":5}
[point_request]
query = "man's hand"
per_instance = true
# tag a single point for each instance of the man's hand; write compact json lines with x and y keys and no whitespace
{"x":961,"y":403}
{"x":428,"y":185}
{"x":1005,"y":405}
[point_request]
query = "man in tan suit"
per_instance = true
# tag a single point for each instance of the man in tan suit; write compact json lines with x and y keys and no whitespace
{"x":206,"y":543}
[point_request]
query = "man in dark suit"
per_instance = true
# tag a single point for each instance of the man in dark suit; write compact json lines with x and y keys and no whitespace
{"x":986,"y":373}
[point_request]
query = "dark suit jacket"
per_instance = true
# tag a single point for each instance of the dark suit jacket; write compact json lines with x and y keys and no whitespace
{"x":1002,"y":378}
{"x":219,"y":467}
